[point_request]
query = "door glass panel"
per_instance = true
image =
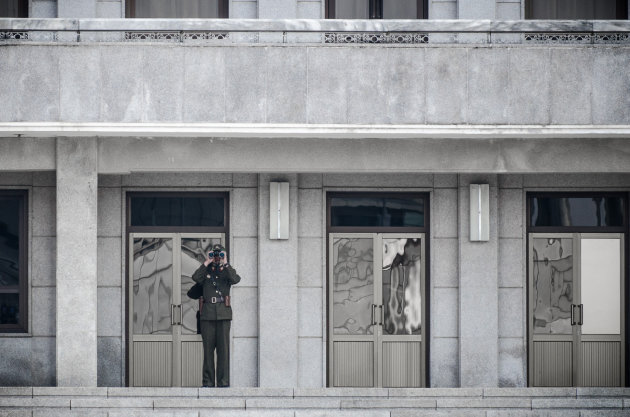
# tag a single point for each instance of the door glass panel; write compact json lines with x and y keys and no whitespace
{"x":152,"y":285}
{"x":353,"y":286}
{"x":377,"y":211}
{"x":170,"y":9}
{"x":402,"y":297}
{"x":552,"y":285}
{"x":193,"y":252}
{"x":10,"y":241}
{"x":600,"y":261}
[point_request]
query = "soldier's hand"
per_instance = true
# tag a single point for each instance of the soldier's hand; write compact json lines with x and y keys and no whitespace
{"x":224,"y":260}
{"x":208,"y":261}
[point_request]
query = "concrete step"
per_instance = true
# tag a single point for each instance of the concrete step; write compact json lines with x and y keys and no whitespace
{"x":318,"y":402}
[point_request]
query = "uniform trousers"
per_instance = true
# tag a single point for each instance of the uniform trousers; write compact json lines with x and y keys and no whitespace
{"x":216,"y":336}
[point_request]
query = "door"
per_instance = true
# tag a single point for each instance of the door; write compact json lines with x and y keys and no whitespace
{"x":164,"y":347}
{"x":576,"y":309}
{"x":376,"y":304}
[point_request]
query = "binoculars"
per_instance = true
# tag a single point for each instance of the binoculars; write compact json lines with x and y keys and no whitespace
{"x":216,"y":253}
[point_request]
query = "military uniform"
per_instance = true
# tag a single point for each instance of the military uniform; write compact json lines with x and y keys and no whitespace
{"x":215,"y":320}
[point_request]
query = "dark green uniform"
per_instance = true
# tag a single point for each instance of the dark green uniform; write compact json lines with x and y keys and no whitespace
{"x":215,"y":321}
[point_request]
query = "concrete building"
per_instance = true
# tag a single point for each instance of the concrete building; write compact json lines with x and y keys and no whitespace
{"x":436,"y":198}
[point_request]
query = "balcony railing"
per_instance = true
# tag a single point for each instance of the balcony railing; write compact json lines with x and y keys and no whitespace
{"x":300,"y":31}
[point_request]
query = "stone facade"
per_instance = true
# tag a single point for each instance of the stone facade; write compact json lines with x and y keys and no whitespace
{"x":431,"y":118}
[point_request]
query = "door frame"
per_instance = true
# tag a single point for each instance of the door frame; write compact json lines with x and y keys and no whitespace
{"x":530,"y":193}
{"x":426,"y":230}
{"x":127,"y":194}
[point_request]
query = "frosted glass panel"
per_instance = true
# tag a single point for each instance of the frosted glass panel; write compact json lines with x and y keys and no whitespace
{"x":552,"y":285}
{"x":601,"y":290}
{"x":193,"y":250}
{"x":152,"y":285}
{"x":353,"y":286}
{"x":402,"y":280}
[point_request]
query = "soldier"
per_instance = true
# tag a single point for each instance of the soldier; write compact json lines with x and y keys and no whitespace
{"x":216,"y":276}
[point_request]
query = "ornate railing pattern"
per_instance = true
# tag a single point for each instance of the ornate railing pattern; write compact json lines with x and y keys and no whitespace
{"x":315,"y":31}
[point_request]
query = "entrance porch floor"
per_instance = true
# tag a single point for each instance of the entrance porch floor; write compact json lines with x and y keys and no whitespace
{"x":318,"y":402}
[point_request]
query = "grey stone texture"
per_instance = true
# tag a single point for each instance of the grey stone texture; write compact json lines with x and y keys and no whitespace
{"x":512,"y":362}
{"x":476,"y":9}
{"x":478,"y":300}
{"x":442,"y":9}
{"x":110,"y":362}
{"x":76,"y":264}
{"x":244,"y":362}
{"x":77,"y":8}
{"x":278,"y":356}
{"x":43,"y":9}
{"x":264,"y":83}
{"x":310,"y":362}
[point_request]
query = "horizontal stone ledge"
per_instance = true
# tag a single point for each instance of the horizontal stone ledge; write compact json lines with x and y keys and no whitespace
{"x":318,"y":403}
{"x":603,"y":392}
{"x":390,"y":403}
{"x":582,"y":403}
{"x":523,"y":403}
{"x":246,"y":392}
{"x":152,"y":392}
{"x":340,"y":392}
{"x":530,"y":392}
{"x":313,"y":25}
{"x":299,"y":131}
{"x":16,"y":391}
{"x":112,"y":403}
{"x":34,"y":402}
{"x":436,"y":392}
{"x":70,"y":391}
{"x":199,"y":403}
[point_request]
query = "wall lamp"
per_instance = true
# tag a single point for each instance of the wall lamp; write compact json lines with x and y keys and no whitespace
{"x":479,"y":212}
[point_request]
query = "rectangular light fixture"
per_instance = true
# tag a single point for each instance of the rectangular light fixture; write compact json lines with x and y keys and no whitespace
{"x":278,"y":210}
{"x":479,"y":212}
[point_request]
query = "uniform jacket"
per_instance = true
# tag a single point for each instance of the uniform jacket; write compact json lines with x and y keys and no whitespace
{"x":224,"y":277}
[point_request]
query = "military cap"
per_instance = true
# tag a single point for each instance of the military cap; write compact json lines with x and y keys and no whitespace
{"x":218,"y":247}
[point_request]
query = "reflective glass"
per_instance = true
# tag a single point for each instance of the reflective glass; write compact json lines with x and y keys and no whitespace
{"x":193,"y":254}
{"x":353,"y":286}
{"x":552,"y":285}
{"x":11,"y":8}
{"x":400,"y":9}
{"x":178,"y":211}
{"x":9,"y":241}
{"x":377,"y":211}
{"x":402,"y":286}
{"x":577,"y":9}
{"x":9,"y":308}
{"x":576,"y":211}
{"x":352,"y":9}
{"x":177,"y":9}
{"x":152,"y":285}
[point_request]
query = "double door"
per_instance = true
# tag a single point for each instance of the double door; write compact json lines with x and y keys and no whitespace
{"x":576,"y":309}
{"x":164,"y":347}
{"x":376,"y":294}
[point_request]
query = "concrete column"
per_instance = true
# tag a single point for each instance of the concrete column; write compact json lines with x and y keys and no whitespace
{"x":76,"y":261}
{"x":476,"y":9}
{"x":277,"y":293}
{"x":76,"y":8}
{"x":478,"y":292}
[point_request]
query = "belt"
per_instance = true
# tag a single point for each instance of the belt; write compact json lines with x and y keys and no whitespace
{"x":214,"y":300}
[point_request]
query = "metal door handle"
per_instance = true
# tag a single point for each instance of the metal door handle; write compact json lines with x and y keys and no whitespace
{"x":181,"y":315}
{"x":373,"y":314}
{"x":573,"y":314}
{"x":172,"y":314}
{"x":382,"y":314}
{"x":581,"y":322}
